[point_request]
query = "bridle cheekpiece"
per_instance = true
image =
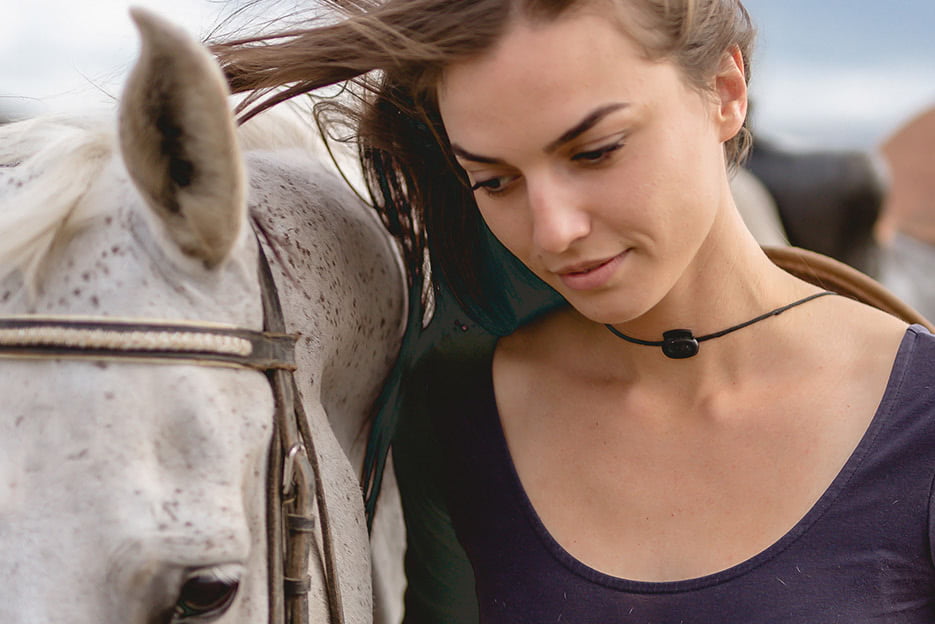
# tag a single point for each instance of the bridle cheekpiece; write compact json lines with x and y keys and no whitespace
{"x":295,"y":502}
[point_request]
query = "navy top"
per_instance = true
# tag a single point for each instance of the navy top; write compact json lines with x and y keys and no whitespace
{"x":862,"y":554}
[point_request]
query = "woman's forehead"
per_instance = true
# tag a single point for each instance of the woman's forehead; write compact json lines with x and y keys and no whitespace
{"x":561,"y":69}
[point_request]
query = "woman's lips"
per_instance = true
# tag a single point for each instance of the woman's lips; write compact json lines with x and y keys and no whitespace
{"x":590,"y":276}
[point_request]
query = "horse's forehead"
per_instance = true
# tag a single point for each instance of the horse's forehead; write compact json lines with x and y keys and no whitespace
{"x":119,"y":267}
{"x":129,"y":430}
{"x":110,"y":468}
{"x":110,"y":255}
{"x":12,"y":178}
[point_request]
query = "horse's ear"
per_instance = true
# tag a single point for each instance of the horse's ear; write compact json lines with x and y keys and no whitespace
{"x":179,"y":142}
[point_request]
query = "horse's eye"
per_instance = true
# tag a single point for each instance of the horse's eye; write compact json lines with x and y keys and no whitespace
{"x":205,"y":596}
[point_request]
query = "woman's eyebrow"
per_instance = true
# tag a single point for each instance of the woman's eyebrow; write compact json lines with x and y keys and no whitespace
{"x":580,"y":128}
{"x":584,"y":125}
{"x":463,"y":153}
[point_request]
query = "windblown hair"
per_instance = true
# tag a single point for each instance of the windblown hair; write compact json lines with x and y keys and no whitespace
{"x":391,"y":55}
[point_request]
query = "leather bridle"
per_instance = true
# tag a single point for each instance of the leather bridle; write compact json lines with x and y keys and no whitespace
{"x":295,"y":500}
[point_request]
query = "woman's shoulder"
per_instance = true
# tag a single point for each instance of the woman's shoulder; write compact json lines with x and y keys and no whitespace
{"x":544,"y":341}
{"x":854,"y":335}
{"x":863,"y":330}
{"x":851,"y":356}
{"x":916,"y":353}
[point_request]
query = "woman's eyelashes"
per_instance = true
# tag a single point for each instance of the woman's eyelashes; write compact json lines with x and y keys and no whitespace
{"x":498,"y":185}
{"x":600,"y":154}
{"x":493,"y":186}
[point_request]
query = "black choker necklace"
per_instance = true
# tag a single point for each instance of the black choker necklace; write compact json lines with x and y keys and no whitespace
{"x":679,"y":344}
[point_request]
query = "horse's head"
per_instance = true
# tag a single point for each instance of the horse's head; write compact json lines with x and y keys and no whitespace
{"x":132,"y":492}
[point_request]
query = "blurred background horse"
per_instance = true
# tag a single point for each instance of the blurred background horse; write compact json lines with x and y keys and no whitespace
{"x":871,"y":209}
{"x":906,"y":229}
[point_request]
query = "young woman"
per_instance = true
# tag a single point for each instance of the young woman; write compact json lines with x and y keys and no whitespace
{"x":693,"y":435}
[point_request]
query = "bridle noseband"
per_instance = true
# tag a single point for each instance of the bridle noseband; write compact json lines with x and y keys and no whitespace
{"x":295,"y":499}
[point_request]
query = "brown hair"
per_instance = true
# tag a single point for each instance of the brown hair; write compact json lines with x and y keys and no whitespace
{"x":392,"y":53}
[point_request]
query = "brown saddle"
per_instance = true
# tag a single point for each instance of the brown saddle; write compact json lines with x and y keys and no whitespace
{"x":833,"y":275}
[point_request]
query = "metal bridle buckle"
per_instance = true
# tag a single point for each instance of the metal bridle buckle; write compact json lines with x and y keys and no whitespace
{"x":288,"y":469}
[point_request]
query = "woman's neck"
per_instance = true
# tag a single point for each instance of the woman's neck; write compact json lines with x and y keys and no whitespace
{"x":730,"y":281}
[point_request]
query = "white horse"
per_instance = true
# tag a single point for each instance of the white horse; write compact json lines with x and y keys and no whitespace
{"x":134,"y":492}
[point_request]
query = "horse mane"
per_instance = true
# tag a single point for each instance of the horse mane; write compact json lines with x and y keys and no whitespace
{"x":287,"y":126}
{"x":47,"y":165}
{"x":292,"y":125}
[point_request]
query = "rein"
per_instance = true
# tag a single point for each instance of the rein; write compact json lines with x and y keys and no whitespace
{"x":294,"y":493}
{"x":294,"y":489}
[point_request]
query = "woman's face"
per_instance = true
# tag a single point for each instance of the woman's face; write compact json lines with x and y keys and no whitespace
{"x":600,"y":169}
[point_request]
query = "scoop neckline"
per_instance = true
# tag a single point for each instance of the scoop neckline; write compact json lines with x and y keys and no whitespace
{"x":817,"y":510}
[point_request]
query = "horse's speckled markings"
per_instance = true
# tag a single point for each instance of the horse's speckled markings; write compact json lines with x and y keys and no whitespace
{"x":119,"y":479}
{"x":335,"y":251}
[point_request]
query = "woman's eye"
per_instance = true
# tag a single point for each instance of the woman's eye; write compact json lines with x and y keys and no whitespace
{"x":598,"y":155}
{"x":205,"y":596}
{"x":495,"y":185}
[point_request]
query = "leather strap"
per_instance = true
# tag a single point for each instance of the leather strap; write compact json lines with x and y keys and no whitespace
{"x":295,"y":504}
{"x":831,"y":274}
{"x":294,"y":489}
{"x":103,"y":338}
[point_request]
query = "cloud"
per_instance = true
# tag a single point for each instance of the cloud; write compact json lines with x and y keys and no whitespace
{"x":64,"y":55}
{"x":840,"y":106}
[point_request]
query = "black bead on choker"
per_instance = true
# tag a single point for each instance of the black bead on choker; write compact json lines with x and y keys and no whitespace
{"x":679,"y":344}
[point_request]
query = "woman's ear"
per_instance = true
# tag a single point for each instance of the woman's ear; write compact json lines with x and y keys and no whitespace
{"x":731,"y":89}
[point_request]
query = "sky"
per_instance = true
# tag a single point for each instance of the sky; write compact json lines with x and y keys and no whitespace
{"x":841,"y":72}
{"x":827,"y":73}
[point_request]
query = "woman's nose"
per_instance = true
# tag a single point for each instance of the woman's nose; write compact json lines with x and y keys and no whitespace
{"x":558,"y":216}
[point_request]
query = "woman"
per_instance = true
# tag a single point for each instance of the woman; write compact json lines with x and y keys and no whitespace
{"x":601,"y":462}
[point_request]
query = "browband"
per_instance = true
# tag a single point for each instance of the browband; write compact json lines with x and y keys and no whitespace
{"x":103,"y":338}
